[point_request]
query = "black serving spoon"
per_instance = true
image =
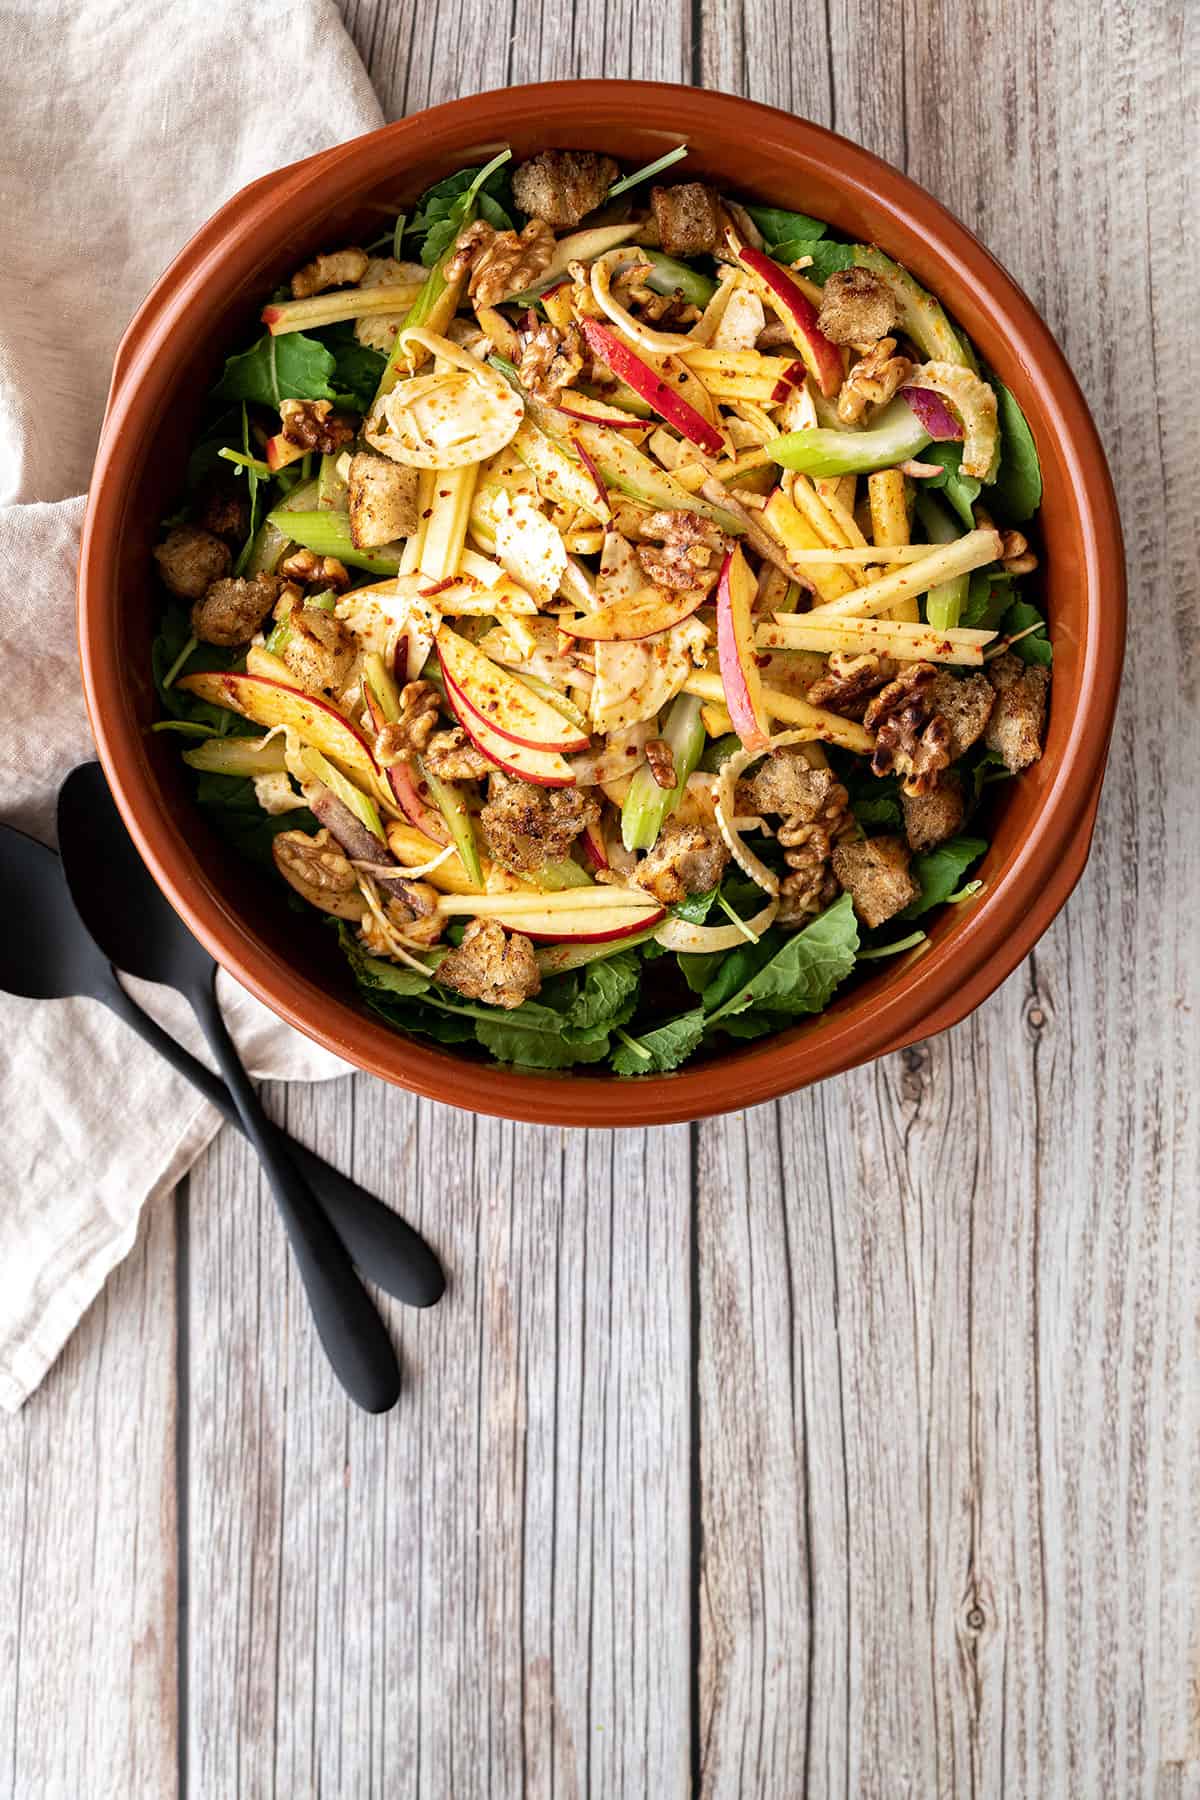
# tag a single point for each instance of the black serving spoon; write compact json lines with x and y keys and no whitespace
{"x":52,"y":957}
{"x":139,"y":932}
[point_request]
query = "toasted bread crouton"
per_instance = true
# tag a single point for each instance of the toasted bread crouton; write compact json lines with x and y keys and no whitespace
{"x":381,"y":500}
{"x":319,"y":650}
{"x":561,"y":186}
{"x":190,"y":560}
{"x":232,"y":610}
{"x":688,"y":218}
{"x":787,"y":783}
{"x":965,"y":702}
{"x":337,"y":268}
{"x":856,"y":308}
{"x":525,"y":825}
{"x":930,"y":819}
{"x":875,"y":874}
{"x":489,"y":965}
{"x":687,"y":859}
{"x":1015,"y":727}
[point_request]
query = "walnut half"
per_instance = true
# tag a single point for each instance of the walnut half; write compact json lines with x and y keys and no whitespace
{"x":872,"y":381}
{"x":317,"y":870}
{"x":911,"y":739}
{"x":501,"y":262}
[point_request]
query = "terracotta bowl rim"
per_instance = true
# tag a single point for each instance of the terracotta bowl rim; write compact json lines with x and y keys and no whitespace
{"x":932,"y":992}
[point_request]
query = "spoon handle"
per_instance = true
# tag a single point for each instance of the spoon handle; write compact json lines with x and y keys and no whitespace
{"x":387,"y":1249}
{"x":350,"y":1328}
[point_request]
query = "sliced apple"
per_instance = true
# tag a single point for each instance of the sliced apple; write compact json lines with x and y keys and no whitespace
{"x":670,"y":405}
{"x":281,"y":452}
{"x":546,"y":768}
{"x":595,"y":412}
{"x":599,"y":921}
{"x":504,"y":703}
{"x":594,"y":847}
{"x":316,"y":723}
{"x":642,"y":615}
{"x":740,"y":675}
{"x":775,"y":285}
{"x":585,"y":927}
{"x":408,"y":790}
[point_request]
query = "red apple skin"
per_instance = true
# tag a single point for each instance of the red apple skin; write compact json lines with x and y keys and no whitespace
{"x":404,"y":785}
{"x":567,"y":746}
{"x":642,"y":922}
{"x":595,"y":412}
{"x":280,"y":452}
{"x":625,"y":621}
{"x":597,"y":479}
{"x":239,"y":692}
{"x":823,"y":358}
{"x":629,"y":367}
{"x":791,"y":377}
{"x":735,"y":649}
{"x":594,"y":847}
{"x":573,"y":746}
{"x":403,"y":781}
{"x":496,"y":748}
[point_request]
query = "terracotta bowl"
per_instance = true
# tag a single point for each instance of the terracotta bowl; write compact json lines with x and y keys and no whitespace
{"x":208,"y":300}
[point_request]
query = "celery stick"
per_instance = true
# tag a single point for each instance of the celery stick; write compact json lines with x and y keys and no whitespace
{"x":383,"y":688}
{"x":555,"y":876}
{"x":351,"y":797}
{"x":244,"y":757}
{"x":647,"y":806}
{"x":448,"y":798}
{"x":896,"y":435}
{"x":669,"y":277}
{"x":556,"y":959}
{"x":331,"y":489}
{"x":921,"y":316}
{"x":328,"y":533}
{"x":271,"y":540}
{"x":944,"y":603}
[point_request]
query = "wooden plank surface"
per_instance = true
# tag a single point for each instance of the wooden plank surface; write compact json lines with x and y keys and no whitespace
{"x":848,"y":1445}
{"x":948,"y":1323}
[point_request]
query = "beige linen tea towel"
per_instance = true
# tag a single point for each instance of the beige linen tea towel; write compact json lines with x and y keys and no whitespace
{"x":124,"y":128}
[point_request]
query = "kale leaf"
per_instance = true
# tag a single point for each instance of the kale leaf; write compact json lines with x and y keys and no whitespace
{"x":778,"y":226}
{"x":939,"y":872}
{"x":827,"y":256}
{"x":291,"y":366}
{"x":668,"y":1045}
{"x":1017,"y":491}
{"x":444,"y":208}
{"x":1036,"y":648}
{"x":962,"y":491}
{"x":800,"y":977}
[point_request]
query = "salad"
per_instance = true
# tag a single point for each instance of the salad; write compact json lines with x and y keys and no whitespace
{"x":603,"y":598}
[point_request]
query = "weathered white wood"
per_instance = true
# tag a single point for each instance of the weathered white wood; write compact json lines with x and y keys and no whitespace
{"x":944,"y":1375}
{"x":88,"y":1596}
{"x":488,"y":1591}
{"x":947,"y":1377}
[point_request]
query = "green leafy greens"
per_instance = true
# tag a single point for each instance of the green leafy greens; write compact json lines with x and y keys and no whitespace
{"x":939,"y":872}
{"x":445,"y":208}
{"x":790,"y":236}
{"x":1017,"y":492}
